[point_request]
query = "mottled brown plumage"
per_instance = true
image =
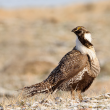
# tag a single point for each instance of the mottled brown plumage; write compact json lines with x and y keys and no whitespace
{"x":76,"y":70}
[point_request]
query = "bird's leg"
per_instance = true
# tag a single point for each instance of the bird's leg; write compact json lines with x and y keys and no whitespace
{"x":48,"y":96}
{"x":45,"y":98}
{"x":79,"y":95}
{"x":73,"y":94}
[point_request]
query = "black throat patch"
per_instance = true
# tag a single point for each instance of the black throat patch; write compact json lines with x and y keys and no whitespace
{"x":85,"y":42}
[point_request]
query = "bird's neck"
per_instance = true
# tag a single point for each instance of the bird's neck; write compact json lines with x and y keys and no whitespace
{"x":84,"y":50}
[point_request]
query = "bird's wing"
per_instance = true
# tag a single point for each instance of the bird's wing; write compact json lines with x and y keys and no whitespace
{"x":70,"y":65}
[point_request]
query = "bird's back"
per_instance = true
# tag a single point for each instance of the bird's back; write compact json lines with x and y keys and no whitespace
{"x":84,"y":78}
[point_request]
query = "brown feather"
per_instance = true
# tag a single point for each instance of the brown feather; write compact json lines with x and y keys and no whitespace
{"x":68,"y":67}
{"x":76,"y":70}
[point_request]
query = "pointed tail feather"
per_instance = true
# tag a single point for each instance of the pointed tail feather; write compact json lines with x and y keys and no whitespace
{"x":43,"y":87}
{"x":49,"y":85}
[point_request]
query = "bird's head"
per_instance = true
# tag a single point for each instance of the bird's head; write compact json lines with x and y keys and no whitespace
{"x":83,"y":36}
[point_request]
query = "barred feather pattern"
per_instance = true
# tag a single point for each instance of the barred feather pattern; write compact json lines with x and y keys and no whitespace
{"x":68,"y":84}
{"x":69,"y":66}
{"x":77,"y":69}
{"x":35,"y":89}
{"x":46,"y":86}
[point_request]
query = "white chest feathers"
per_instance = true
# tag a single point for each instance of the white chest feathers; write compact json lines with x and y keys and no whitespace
{"x":83,"y":49}
{"x":88,"y":37}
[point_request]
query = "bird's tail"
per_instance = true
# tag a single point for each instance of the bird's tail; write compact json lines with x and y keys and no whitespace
{"x":43,"y":87}
{"x":47,"y":86}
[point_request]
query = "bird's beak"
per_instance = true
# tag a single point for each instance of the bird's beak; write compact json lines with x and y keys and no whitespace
{"x":75,"y":29}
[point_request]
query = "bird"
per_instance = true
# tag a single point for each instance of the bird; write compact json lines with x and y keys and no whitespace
{"x":75,"y":72}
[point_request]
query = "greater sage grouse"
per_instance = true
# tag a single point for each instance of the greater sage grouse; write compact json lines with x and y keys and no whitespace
{"x":76,"y":70}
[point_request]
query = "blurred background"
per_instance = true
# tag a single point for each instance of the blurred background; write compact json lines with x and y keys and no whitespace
{"x":35,"y":35}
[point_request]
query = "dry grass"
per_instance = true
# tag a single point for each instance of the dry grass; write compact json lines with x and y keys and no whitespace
{"x":59,"y":101}
{"x":59,"y":14}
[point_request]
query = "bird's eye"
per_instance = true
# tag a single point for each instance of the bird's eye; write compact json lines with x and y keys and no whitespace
{"x":79,"y":31}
